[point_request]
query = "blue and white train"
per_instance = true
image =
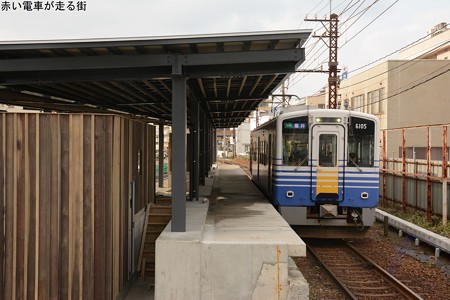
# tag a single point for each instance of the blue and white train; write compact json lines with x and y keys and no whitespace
{"x":320,"y":168}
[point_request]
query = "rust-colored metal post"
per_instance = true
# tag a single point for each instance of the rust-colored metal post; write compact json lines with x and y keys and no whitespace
{"x":444,"y":175}
{"x":403,"y":169}
{"x":428,"y":175}
{"x":385,"y":225}
{"x":444,"y":152}
{"x":384,"y":168}
{"x":333,"y":62}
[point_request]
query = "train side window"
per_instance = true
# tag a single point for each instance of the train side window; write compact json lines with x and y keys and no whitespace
{"x":327,"y":150}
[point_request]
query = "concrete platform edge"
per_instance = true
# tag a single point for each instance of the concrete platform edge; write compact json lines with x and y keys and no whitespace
{"x":423,"y":234}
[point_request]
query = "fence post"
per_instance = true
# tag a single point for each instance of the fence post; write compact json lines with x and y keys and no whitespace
{"x":444,"y":175}
{"x":384,"y":168}
{"x":403,"y":169}
{"x":444,"y":202}
{"x":428,"y":175}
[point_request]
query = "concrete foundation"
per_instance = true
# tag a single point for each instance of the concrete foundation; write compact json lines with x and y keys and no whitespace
{"x":236,"y":247}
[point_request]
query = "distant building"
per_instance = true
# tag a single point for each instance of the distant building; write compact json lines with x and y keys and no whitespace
{"x":409,"y":92}
{"x":316,"y":100}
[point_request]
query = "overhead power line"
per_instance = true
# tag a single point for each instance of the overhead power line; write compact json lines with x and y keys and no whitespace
{"x":382,"y":13}
{"x":393,"y":52}
{"x":296,"y":79}
{"x":410,"y":63}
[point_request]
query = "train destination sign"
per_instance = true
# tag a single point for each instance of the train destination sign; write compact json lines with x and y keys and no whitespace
{"x":362,"y":125}
{"x":295,"y":125}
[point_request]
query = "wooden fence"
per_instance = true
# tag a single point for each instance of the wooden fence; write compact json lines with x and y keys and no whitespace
{"x":64,"y":202}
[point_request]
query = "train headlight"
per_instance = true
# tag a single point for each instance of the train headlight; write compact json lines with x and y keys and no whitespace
{"x":364,"y":195}
{"x":290,"y":194}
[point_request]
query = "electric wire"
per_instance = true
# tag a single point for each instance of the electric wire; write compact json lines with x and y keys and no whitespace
{"x":352,"y":15}
{"x":406,"y":62}
{"x":405,"y":90}
{"x":382,"y":13}
{"x":296,"y":79}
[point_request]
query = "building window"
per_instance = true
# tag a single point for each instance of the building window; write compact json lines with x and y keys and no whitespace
{"x":374,"y":101}
{"x":358,"y":103}
{"x":369,"y":102}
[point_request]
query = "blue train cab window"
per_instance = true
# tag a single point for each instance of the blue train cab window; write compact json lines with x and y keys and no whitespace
{"x":296,"y":142}
{"x":327,"y":150}
{"x":361,"y":141}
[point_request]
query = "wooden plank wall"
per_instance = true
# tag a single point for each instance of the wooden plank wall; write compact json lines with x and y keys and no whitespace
{"x":64,"y":202}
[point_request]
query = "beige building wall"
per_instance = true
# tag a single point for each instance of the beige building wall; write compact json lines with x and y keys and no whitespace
{"x":365,"y":92}
{"x":403,"y":94}
{"x":317,"y":100}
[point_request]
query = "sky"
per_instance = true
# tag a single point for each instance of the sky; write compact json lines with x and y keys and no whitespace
{"x":369,"y":29}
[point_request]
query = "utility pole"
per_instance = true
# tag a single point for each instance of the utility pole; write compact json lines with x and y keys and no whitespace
{"x":332,"y":31}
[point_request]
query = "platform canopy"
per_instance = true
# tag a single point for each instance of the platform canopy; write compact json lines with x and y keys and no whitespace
{"x":228,"y":74}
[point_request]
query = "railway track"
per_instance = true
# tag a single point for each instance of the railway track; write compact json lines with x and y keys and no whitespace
{"x":356,"y":275}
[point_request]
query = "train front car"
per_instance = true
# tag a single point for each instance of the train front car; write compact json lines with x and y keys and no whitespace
{"x":326,"y":171}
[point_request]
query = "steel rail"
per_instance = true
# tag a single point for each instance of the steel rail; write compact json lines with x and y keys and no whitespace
{"x":403,"y":289}
{"x":340,"y":284}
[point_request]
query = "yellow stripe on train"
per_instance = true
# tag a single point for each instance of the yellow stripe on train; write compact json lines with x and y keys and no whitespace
{"x":327,"y":182}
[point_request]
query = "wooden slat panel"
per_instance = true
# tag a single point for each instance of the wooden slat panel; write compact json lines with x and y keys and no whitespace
{"x":2,"y":203}
{"x":54,"y":205}
{"x":108,"y":158}
{"x":88,"y":234}
{"x":64,"y":183}
{"x":9,"y":212}
{"x":20,"y":206}
{"x":126,"y":183}
{"x":26,"y":190}
{"x":116,"y":191}
{"x":75,"y":206}
{"x":32,"y":198}
{"x":45,"y":162}
{"x":99,"y":210}
{"x":123,"y":204}
{"x":64,"y":208}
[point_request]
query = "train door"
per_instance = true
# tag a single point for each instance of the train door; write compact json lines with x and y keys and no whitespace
{"x":269,"y":161}
{"x":258,"y":157}
{"x":328,"y":158}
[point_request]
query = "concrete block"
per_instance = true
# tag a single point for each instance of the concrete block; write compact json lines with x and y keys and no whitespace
{"x":298,"y":286}
{"x":244,"y":271}
{"x":177,"y":263}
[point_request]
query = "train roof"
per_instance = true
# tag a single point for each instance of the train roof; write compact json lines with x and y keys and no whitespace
{"x":307,"y":110}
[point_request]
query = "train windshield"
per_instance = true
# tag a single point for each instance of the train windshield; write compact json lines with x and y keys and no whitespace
{"x":296,"y":142}
{"x":361,"y":141}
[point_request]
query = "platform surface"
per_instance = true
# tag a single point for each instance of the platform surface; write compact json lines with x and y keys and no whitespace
{"x":239,"y":212}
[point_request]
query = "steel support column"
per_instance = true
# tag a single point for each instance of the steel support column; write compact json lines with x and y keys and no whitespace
{"x":161,"y":156}
{"x":195,"y":150}
{"x":202,"y":156}
{"x":214,"y":157}
{"x":179,"y":117}
{"x":208,"y":149}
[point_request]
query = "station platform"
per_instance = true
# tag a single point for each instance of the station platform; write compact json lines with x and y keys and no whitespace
{"x":236,"y":246}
